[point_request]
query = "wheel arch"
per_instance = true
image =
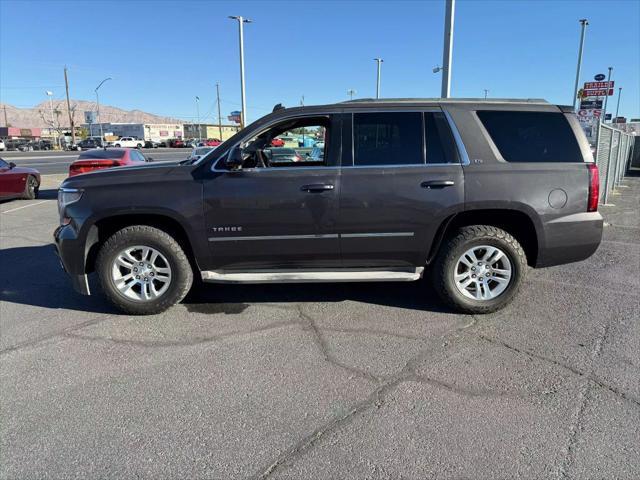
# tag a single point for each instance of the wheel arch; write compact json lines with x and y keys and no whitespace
{"x":103,"y":228}
{"x":516,"y":222}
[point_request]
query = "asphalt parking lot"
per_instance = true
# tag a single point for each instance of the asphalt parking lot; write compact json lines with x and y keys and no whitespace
{"x":345,"y":381}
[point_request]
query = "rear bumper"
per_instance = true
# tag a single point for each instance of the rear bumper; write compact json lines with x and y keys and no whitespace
{"x":71,"y":254}
{"x":570,"y":239}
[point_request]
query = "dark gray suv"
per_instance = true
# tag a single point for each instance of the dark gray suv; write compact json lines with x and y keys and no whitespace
{"x":473,"y":192}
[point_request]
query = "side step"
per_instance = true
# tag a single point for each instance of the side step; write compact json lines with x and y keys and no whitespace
{"x":313,"y":276}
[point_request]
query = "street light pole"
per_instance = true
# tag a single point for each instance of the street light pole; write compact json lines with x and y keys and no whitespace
{"x":485,"y":93}
{"x":606,"y":97}
{"x":98,"y":108}
{"x":447,"y":51}
{"x":241,"y":22}
{"x":53,"y":123}
{"x":198,"y":116}
{"x":584,"y":22}
{"x":619,"y":95}
{"x":351,"y":92}
{"x":379,"y":60}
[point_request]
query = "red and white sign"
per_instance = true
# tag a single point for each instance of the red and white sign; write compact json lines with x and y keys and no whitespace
{"x":602,"y":92}
{"x":588,"y":115}
{"x":598,"y":85}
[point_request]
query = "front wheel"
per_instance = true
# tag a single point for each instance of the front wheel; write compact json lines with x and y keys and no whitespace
{"x":480,"y":269}
{"x":31,"y":188}
{"x":143,"y":270}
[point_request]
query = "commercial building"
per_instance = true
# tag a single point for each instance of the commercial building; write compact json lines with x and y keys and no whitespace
{"x":158,"y":132}
{"x":209,"y":130}
{"x":15,"y":132}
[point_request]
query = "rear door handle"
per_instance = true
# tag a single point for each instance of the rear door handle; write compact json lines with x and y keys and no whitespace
{"x":437,"y":184}
{"x":316,"y":187}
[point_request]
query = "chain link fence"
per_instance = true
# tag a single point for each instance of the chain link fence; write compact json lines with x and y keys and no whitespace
{"x":613,"y":154}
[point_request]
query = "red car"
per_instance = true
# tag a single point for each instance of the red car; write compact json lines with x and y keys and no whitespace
{"x":277,"y":142}
{"x":177,"y":143}
{"x":18,"y":182}
{"x":212,"y":142}
{"x":102,"y":158}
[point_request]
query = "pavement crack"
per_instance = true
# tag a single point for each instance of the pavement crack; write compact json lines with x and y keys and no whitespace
{"x":586,"y":375}
{"x":179,"y":343}
{"x":325,"y":351}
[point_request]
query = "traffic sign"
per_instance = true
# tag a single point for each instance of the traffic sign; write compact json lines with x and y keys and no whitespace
{"x":599,"y":77}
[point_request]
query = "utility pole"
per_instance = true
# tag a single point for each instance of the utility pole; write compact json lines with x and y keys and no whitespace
{"x":379,"y":61}
{"x":447,"y":51}
{"x":351,"y":92}
{"x":485,"y":93}
{"x":606,"y":97}
{"x":584,"y":22}
{"x":71,"y":122}
{"x":6,"y":123}
{"x":219,"y":116}
{"x":618,"y":106}
{"x":198,"y":116}
{"x":241,"y":22}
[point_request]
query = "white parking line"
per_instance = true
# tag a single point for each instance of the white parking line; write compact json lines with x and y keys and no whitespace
{"x":25,"y":206}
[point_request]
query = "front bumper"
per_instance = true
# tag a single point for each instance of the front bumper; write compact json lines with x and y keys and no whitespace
{"x":570,"y":239}
{"x":70,"y":251}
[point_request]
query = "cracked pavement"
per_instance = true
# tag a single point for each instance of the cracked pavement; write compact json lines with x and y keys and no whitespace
{"x":374,"y":381}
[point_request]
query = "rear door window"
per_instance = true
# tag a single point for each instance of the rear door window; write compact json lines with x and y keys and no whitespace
{"x":532,"y":136}
{"x":387,"y":138}
{"x":441,"y":147}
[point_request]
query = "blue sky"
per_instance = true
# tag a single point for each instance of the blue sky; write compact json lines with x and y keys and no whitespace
{"x":161,"y":54}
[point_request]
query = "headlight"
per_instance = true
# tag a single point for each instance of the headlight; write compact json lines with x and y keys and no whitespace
{"x":67,"y":196}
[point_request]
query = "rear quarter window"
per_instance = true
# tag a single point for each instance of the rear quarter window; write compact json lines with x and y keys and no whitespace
{"x":532,"y":136}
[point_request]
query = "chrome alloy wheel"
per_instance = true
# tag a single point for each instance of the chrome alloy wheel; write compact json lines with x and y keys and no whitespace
{"x":141,"y":273}
{"x":483,"y":272}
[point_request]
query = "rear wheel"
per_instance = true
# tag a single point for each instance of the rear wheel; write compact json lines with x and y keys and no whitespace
{"x":31,"y":188}
{"x":143,"y":270}
{"x":480,"y":270}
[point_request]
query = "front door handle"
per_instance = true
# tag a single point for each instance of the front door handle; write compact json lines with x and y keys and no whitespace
{"x":316,"y":187}
{"x":437,"y":184}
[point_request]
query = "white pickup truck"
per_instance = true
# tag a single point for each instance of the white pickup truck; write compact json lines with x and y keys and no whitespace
{"x":132,"y":142}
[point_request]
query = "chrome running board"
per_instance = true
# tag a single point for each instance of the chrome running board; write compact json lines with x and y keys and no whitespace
{"x":313,"y":276}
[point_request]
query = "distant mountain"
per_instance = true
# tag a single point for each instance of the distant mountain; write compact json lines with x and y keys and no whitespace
{"x":40,"y":115}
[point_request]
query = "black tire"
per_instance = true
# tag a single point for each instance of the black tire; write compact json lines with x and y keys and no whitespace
{"x":31,"y":188}
{"x":466,"y":238}
{"x":138,"y":146}
{"x":181,"y":272}
{"x":117,"y":145}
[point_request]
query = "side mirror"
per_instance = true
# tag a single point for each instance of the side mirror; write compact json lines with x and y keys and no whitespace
{"x":234,"y":159}
{"x":12,"y":165}
{"x":149,"y":159}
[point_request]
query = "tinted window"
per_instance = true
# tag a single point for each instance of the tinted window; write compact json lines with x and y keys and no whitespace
{"x":3,"y":164}
{"x":101,"y":154}
{"x":532,"y":136}
{"x":393,"y":138}
{"x":440,"y":143}
{"x":137,"y":156}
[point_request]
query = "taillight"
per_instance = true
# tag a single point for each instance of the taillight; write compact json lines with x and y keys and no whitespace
{"x":594,"y":188}
{"x":77,"y":169}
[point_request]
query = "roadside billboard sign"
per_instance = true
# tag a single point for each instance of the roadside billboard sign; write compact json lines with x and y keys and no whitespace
{"x":591,"y":103}
{"x":597,"y":92}
{"x":598,"y":85}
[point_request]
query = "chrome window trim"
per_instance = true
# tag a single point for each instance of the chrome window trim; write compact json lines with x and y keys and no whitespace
{"x":381,"y":234}
{"x":462,"y":151}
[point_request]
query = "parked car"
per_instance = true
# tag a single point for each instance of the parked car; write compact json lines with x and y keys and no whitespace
{"x":177,"y":143}
{"x":18,"y":182}
{"x":151,"y":144}
{"x":473,"y":192}
{"x":198,"y":152}
{"x":281,"y":156}
{"x":89,"y":144}
{"x":102,"y":158}
{"x":212,"y":142}
{"x":35,"y":145}
{"x":3,"y":147}
{"x":13,"y":144}
{"x":127,"y":142}
{"x":277,"y":142}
